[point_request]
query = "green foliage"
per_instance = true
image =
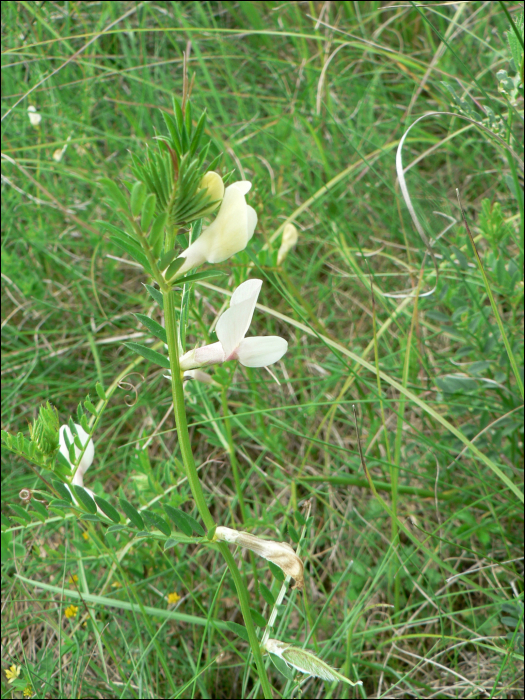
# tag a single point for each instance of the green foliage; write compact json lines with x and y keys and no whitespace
{"x":155,"y":328}
{"x":149,"y":354}
{"x":132,"y":513}
{"x":308,"y":102}
{"x":515,"y":45}
{"x":85,"y":500}
{"x":173,"y":173}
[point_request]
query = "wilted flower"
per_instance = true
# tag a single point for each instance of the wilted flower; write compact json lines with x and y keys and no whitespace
{"x":305,"y":661}
{"x":34,"y":117}
{"x":232,"y":326}
{"x":229,"y":233}
{"x":288,"y":241}
{"x":278,"y":553}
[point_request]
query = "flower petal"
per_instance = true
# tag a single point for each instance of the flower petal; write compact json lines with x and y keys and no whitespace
{"x":252,"y":221}
{"x":201,"y":357}
{"x":261,"y":351}
{"x":89,"y":454}
{"x":247,"y":290}
{"x":244,"y":186}
{"x":195,"y":255}
{"x":235,"y":321}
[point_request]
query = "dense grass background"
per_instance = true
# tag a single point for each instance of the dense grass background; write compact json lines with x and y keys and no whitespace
{"x":417,"y":591}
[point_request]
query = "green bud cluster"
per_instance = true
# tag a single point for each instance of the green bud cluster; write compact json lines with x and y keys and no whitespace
{"x":44,"y":431}
{"x":174,"y":172}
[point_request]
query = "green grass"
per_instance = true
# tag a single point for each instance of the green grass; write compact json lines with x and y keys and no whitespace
{"x":413,"y":570}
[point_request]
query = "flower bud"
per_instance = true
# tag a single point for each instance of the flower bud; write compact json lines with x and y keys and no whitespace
{"x":288,"y":241}
{"x":278,"y":553}
{"x":214,"y":186}
{"x":44,"y":431}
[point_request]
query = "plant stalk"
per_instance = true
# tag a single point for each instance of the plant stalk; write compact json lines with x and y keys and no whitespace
{"x":195,"y":485}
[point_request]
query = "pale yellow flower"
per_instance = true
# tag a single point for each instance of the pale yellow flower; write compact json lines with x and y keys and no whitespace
{"x":12,"y":673}
{"x":230,"y":231}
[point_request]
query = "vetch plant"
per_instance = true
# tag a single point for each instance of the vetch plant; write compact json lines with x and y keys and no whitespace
{"x":176,"y":187}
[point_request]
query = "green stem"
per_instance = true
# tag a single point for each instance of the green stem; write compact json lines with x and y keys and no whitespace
{"x":195,"y":485}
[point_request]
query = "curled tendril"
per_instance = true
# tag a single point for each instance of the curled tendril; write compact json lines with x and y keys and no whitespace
{"x":25,"y":495}
{"x":128,"y":385}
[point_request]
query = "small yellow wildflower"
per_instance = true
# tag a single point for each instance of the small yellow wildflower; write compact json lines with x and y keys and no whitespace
{"x":71,"y":611}
{"x":116,"y":584}
{"x":73,"y":579}
{"x":85,"y":535}
{"x":173,"y":598}
{"x":28,"y":691}
{"x":12,"y":673}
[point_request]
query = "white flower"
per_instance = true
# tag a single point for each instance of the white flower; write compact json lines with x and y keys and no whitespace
{"x":232,"y":326}
{"x":57,"y":155}
{"x":34,"y":117}
{"x":85,"y":462}
{"x":87,"y":457}
{"x":228,"y":234}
